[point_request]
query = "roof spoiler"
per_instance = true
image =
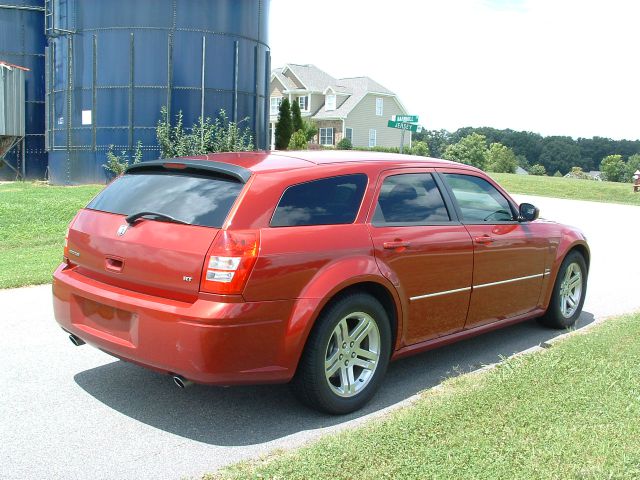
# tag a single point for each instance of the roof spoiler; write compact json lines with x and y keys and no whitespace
{"x":182,"y":164}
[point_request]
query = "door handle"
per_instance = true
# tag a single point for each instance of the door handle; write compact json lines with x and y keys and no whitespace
{"x":395,"y":244}
{"x":484,"y":239}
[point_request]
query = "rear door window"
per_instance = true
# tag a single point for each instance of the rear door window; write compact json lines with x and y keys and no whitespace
{"x":479,"y":201}
{"x":195,"y":199}
{"x":410,"y":199}
{"x":328,"y":201}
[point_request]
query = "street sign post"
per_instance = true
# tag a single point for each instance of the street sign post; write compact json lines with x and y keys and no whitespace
{"x":404,"y":123}
{"x":412,"y":127}
{"x":405,"y":118}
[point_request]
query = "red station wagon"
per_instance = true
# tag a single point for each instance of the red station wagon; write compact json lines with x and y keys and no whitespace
{"x":315,"y":268}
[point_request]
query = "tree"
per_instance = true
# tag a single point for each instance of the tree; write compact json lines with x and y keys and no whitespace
{"x":559,"y":153}
{"x":538,"y":170}
{"x":471,"y":150}
{"x":632,"y":166}
{"x":284,"y":127}
{"x":613,"y":168}
{"x":593,"y":150}
{"x":298,"y":141}
{"x":436,"y":140}
{"x":501,"y":159}
{"x":420,"y":148}
{"x":296,"y":116}
{"x":523,"y":162}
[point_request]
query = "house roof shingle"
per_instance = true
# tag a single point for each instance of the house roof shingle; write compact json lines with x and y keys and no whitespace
{"x":311,"y":76}
{"x":284,"y":80}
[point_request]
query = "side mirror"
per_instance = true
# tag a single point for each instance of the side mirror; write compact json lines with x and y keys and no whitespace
{"x":527,"y":212}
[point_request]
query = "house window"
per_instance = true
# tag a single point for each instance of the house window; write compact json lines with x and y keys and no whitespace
{"x":372,"y":137}
{"x":330,"y":102}
{"x":379,"y":106}
{"x":326,"y":136}
{"x":304,"y":103}
{"x":275,"y":105}
{"x":348,"y":133}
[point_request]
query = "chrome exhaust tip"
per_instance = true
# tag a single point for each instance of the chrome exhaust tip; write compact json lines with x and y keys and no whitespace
{"x":77,"y":341}
{"x":181,"y":382}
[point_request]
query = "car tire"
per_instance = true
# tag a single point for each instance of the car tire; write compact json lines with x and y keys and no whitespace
{"x":568,"y":294}
{"x":346,"y":355}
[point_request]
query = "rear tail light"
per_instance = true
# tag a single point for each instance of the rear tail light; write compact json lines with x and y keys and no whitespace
{"x":65,"y":254}
{"x":229,"y":262}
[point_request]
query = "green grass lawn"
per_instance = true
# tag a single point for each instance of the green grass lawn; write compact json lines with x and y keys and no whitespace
{"x":609,"y":192}
{"x":33,"y":220}
{"x":572,"y":411}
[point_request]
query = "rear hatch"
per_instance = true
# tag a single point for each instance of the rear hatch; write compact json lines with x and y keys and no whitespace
{"x":161,"y":252}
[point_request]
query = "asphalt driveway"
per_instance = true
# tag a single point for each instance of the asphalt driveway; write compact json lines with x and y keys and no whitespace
{"x":68,"y":412}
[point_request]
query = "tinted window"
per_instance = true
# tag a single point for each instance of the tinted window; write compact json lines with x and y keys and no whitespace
{"x":479,"y":201}
{"x":198,"y":200}
{"x":321,"y":202}
{"x":410,"y":199}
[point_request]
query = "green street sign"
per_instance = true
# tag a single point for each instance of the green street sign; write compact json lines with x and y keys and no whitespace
{"x":404,"y":126}
{"x":405,"y":118}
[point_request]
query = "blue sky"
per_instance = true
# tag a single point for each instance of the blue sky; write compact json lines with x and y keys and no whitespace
{"x":557,"y":67}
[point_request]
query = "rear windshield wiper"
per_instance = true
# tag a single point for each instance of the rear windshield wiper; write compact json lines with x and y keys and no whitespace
{"x":134,"y":217}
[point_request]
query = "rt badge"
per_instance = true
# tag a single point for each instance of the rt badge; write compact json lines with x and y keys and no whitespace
{"x":122,"y":230}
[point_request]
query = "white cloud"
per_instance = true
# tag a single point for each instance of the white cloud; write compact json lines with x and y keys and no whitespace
{"x":557,"y":67}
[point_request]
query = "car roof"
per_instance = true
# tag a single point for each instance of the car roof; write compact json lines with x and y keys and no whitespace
{"x":276,"y":161}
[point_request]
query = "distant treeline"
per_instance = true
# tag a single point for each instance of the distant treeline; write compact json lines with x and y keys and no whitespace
{"x":555,"y":153}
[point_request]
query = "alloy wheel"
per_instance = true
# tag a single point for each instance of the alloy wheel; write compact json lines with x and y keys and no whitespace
{"x":571,"y":290}
{"x":352,"y":354}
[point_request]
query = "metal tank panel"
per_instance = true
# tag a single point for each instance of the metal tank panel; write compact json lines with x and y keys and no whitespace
{"x":22,"y":42}
{"x":124,"y":60}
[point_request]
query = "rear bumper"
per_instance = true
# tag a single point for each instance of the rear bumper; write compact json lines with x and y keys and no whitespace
{"x":211,"y":342}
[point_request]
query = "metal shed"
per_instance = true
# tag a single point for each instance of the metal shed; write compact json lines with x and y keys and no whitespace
{"x":11,"y":113}
{"x":22,"y":42}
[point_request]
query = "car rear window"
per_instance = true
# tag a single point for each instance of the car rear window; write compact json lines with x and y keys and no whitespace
{"x":328,"y":201}
{"x":196,"y":199}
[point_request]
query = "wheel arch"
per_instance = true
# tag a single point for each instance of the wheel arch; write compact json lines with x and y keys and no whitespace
{"x":565,"y":248}
{"x":376,"y":290}
{"x":376,"y":287}
{"x":583,"y":250}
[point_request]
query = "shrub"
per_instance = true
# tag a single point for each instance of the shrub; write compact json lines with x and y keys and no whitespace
{"x":378,"y":149}
{"x":576,"y":172}
{"x":344,"y":144}
{"x":537,"y":169}
{"x":298,"y":141}
{"x":117,"y":164}
{"x":310,"y":129}
{"x":558,"y":173}
{"x":204,"y":137}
